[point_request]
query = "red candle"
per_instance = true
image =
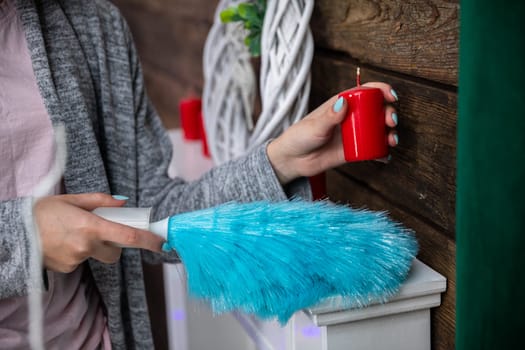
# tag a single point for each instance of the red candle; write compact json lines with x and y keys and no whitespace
{"x":318,"y":186}
{"x":205,"y":150}
{"x":190,"y":109}
{"x":364,"y":129}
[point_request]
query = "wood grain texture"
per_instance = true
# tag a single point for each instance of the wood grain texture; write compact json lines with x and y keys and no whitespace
{"x":165,"y":94}
{"x":421,"y":175}
{"x":418,"y":37}
{"x":194,"y":9}
{"x":436,"y":250}
{"x":169,"y":36}
{"x":173,"y":45}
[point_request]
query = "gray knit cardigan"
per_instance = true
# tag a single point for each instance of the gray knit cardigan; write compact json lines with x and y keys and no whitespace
{"x":90,"y":79}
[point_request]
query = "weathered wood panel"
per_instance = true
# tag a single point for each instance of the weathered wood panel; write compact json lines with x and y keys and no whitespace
{"x":418,"y":38}
{"x":436,"y":250}
{"x":170,"y":37}
{"x":194,"y":9}
{"x":173,"y":45}
{"x":165,"y":94}
{"x":421,"y":175}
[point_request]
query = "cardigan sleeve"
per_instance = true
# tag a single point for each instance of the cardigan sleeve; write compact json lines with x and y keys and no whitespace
{"x":14,"y":248}
{"x":248,"y":178}
{"x":245,"y":179}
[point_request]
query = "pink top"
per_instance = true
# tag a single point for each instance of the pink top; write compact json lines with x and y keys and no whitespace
{"x":73,"y":313}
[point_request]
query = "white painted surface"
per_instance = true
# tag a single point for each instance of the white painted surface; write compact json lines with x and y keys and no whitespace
{"x":403,"y":331}
{"x":176,"y":315}
{"x":188,"y":160}
{"x":421,"y":281}
{"x":403,"y":323}
{"x":192,"y":325}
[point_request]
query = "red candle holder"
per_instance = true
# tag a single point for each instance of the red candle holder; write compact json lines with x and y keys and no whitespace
{"x":318,"y":186}
{"x":204,"y":139}
{"x":364,"y":129}
{"x":190,"y":109}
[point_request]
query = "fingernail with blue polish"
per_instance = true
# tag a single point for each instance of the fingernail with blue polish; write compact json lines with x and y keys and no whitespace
{"x":396,"y":138}
{"x":166,"y":247}
{"x":394,"y":118}
{"x":120,"y":198}
{"x":389,"y":158}
{"x":393,"y":92}
{"x":339,"y":104}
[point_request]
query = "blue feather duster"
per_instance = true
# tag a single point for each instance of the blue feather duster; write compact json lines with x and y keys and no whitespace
{"x":271,"y":259}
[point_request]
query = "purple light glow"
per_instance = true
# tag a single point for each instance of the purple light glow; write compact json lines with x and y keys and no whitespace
{"x":178,"y":315}
{"x":311,"y":331}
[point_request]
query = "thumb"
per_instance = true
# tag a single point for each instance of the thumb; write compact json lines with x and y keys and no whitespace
{"x":91,"y":201}
{"x":330,"y":114}
{"x":338,"y":111}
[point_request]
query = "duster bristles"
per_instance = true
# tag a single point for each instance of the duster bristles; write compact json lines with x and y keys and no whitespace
{"x":271,"y":259}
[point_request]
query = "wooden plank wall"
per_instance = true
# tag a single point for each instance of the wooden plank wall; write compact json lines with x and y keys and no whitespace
{"x":413,"y":45}
{"x":170,"y":35}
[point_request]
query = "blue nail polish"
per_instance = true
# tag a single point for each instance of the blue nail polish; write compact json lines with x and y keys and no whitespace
{"x":393,"y":92}
{"x":394,"y":118}
{"x":166,"y":247}
{"x":389,"y":158}
{"x":396,"y":138}
{"x":120,"y":198}
{"x":339,"y":104}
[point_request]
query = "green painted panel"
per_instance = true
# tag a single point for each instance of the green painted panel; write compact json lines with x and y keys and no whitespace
{"x":490,"y":208}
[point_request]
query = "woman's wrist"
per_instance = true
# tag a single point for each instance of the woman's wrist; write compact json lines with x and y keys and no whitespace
{"x":280,"y":164}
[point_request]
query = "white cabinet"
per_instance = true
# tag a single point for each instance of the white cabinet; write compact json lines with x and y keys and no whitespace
{"x":403,"y":323}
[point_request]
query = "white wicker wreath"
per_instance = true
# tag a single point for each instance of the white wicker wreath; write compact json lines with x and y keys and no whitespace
{"x":229,"y":79}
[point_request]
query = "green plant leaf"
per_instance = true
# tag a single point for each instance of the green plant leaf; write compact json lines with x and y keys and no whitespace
{"x":252,"y":27}
{"x":247,"y":10}
{"x":261,"y":6}
{"x":230,"y":14}
{"x":253,"y":41}
{"x":252,"y":15}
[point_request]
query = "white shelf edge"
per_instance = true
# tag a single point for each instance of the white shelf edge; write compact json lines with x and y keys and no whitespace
{"x":421,"y":281}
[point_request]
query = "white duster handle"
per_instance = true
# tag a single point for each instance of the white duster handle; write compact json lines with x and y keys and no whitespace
{"x":134,"y":217}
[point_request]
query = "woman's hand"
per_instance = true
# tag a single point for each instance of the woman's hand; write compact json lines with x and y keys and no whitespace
{"x":70,"y":233}
{"x":312,"y":145}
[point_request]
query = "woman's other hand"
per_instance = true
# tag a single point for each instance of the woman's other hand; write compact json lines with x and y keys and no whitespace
{"x":312,"y":145}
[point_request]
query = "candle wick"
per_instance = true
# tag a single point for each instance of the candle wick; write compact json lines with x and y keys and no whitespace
{"x":358,"y":76}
